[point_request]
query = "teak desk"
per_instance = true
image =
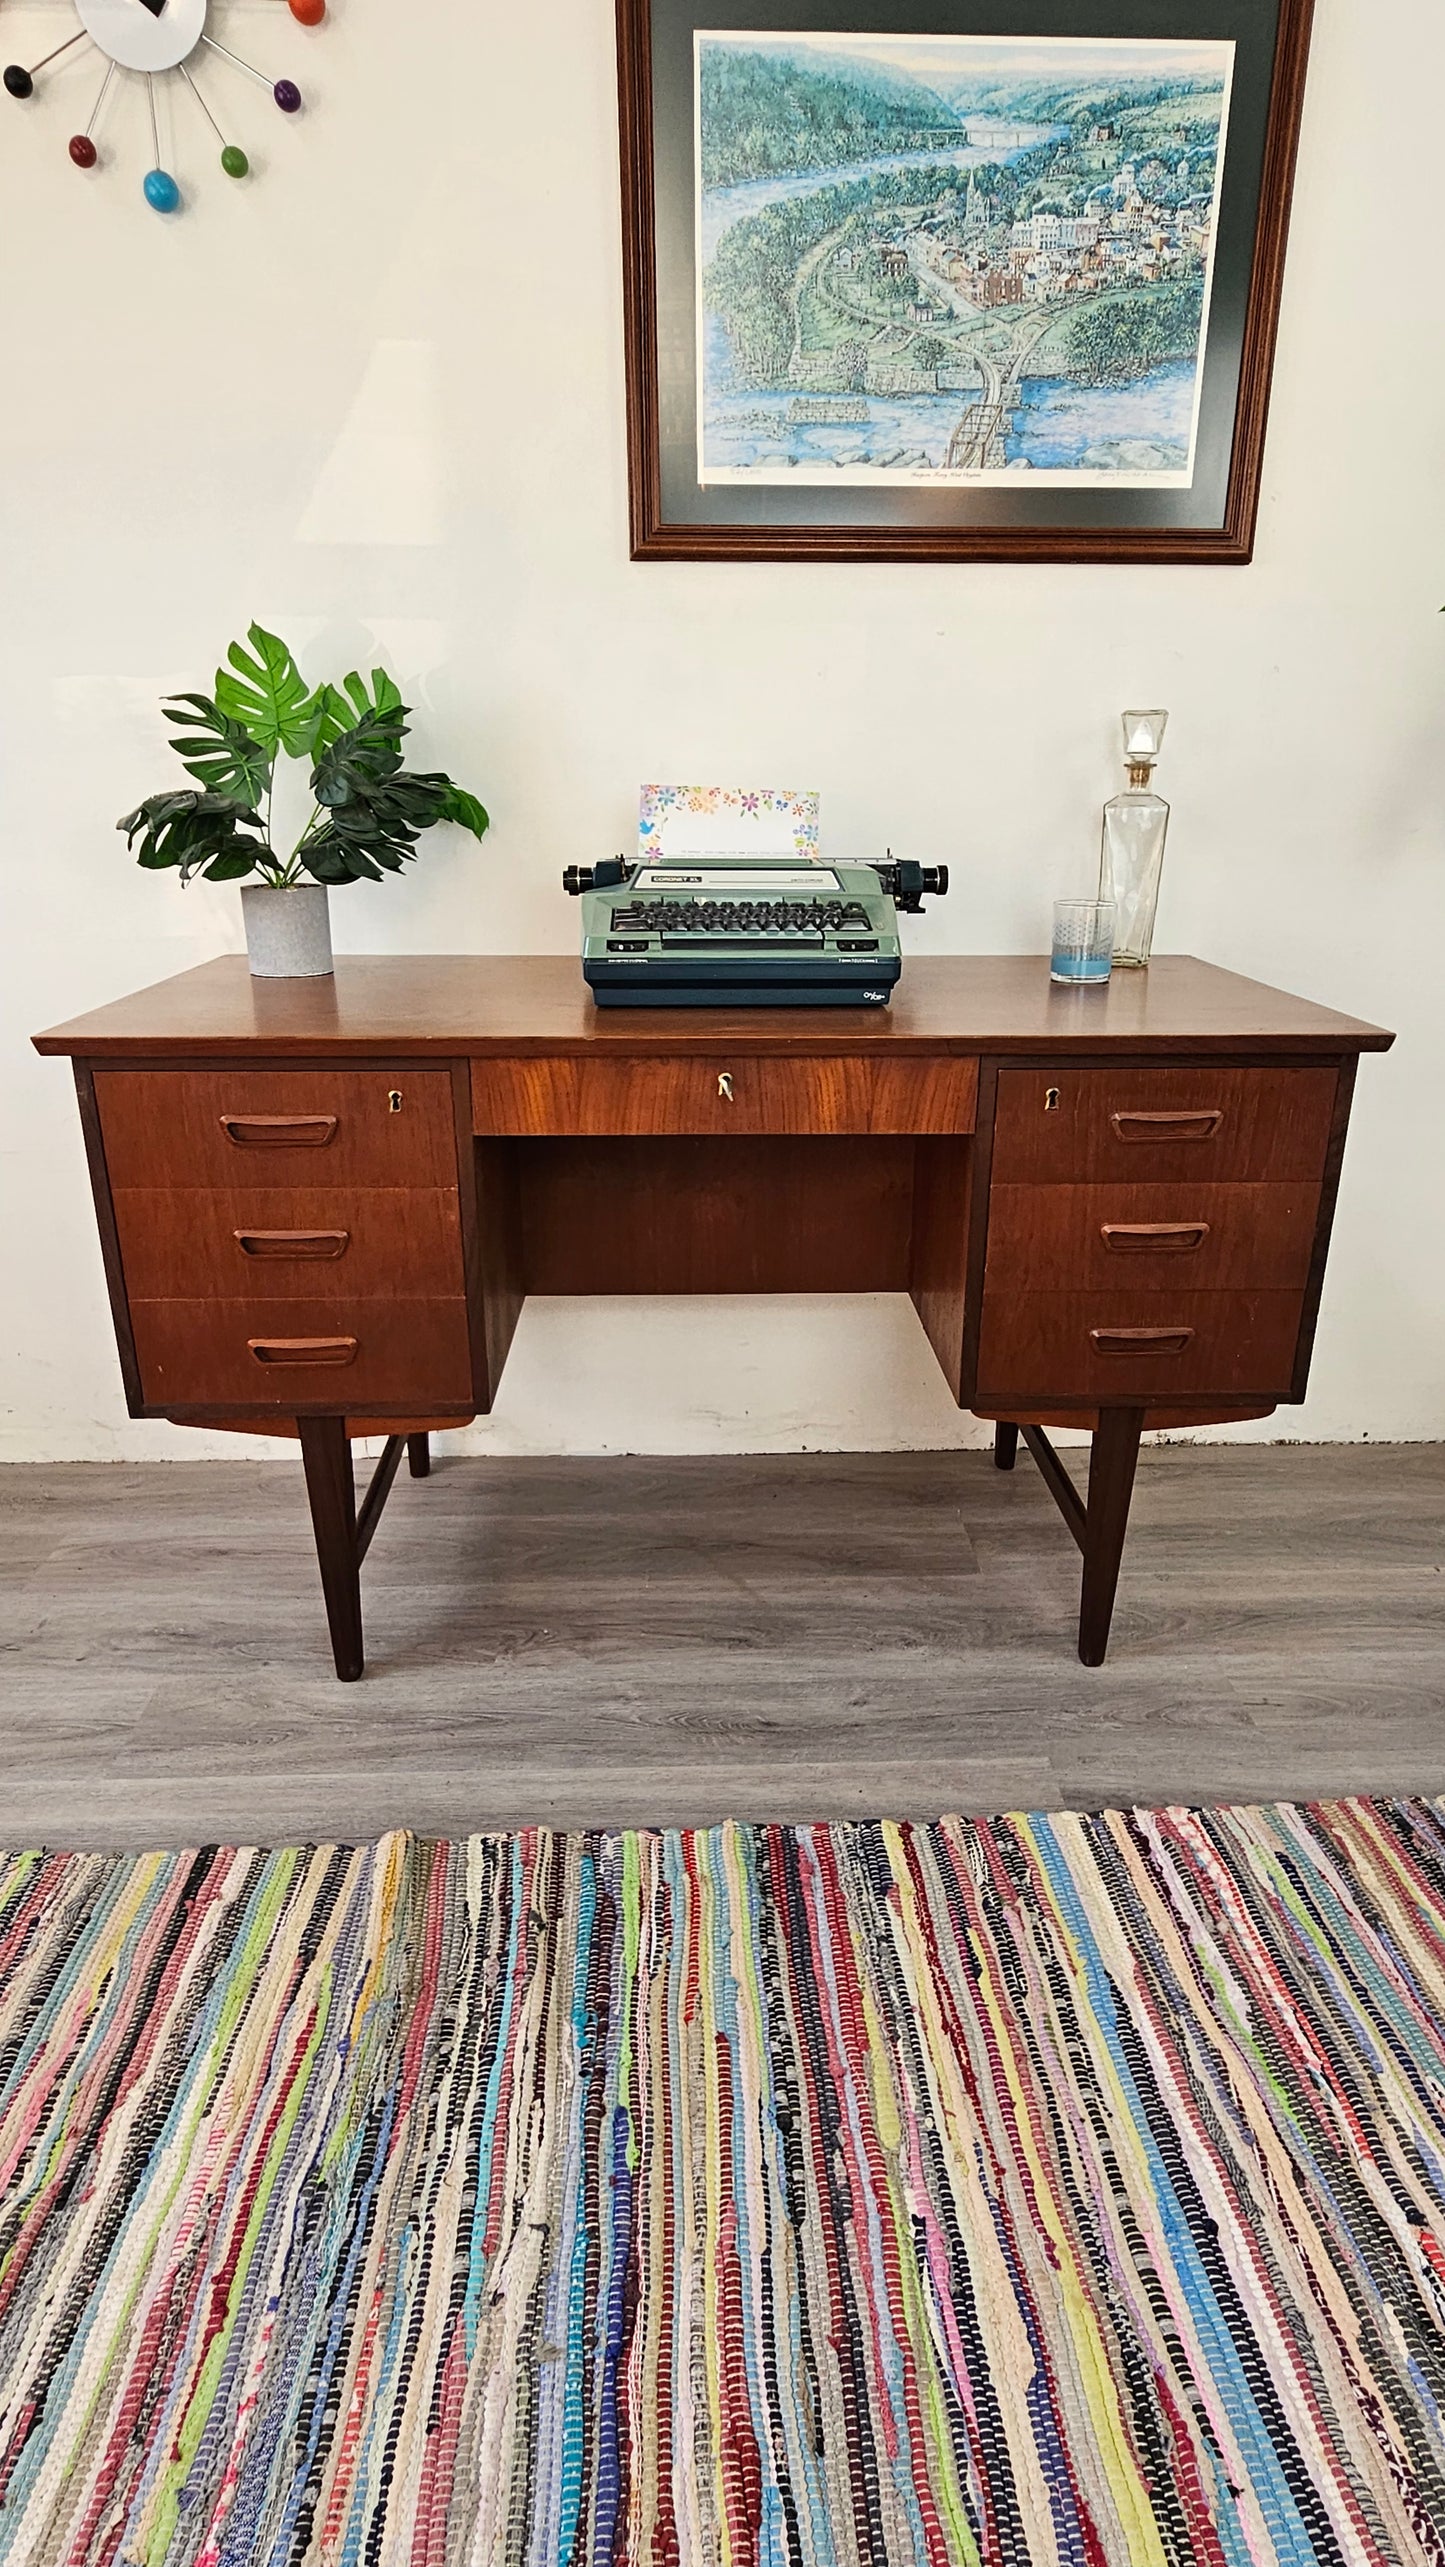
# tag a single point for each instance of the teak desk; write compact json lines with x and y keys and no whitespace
{"x":322,"y":1203}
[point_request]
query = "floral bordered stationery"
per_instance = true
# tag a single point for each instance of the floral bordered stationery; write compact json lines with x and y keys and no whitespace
{"x":741,"y":814}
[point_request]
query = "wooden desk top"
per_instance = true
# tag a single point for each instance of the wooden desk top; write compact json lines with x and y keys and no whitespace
{"x":456,"y":1004}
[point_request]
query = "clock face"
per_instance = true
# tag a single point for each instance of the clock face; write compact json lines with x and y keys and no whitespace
{"x":144,"y":35}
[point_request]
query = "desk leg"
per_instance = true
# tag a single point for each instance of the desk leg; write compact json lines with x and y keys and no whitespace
{"x":1111,"y":1486}
{"x":1005,"y":1445}
{"x":326,"y":1454}
{"x":418,"y":1456}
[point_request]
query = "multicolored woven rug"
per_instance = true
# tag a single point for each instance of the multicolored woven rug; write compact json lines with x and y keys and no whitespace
{"x":1026,"y":2190}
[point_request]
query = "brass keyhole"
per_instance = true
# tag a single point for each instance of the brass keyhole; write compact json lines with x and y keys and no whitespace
{"x":725,"y":1084}
{"x":1051,"y":1100}
{"x":393,"y":1100}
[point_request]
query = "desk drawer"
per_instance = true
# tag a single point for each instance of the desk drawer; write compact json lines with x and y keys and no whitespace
{"x":724,"y":1092}
{"x":1194,"y":1238}
{"x":185,"y":1243}
{"x":344,"y":1356}
{"x":311,"y":1127}
{"x":1133,"y":1123}
{"x":1137,"y":1345}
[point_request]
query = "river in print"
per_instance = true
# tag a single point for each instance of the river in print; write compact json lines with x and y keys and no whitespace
{"x":955,"y":259}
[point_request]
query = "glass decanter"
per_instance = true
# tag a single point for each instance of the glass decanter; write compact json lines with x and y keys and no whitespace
{"x":1136,"y":824}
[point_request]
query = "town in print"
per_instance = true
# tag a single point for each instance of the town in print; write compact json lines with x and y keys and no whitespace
{"x":962,"y":259}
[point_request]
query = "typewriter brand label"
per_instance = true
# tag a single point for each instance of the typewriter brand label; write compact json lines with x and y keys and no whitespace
{"x":735,"y":878}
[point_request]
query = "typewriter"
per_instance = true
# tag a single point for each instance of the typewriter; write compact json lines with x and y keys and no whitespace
{"x":745,"y":931}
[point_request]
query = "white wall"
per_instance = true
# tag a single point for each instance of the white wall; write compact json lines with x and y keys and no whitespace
{"x":374,"y":397}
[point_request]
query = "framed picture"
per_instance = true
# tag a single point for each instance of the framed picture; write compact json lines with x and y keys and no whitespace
{"x":951,"y":279}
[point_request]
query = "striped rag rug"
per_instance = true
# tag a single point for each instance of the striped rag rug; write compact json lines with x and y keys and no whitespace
{"x":1022,"y":2190}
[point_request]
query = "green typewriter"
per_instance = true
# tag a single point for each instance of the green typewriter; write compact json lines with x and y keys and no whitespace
{"x":745,"y":931}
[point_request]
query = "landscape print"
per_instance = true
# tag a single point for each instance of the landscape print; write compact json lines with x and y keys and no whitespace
{"x":954,"y":259}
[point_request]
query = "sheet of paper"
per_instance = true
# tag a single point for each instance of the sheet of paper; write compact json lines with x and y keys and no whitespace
{"x":727,"y":820}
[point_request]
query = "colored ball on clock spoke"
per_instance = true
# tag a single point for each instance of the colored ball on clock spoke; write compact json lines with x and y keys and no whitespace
{"x":18,"y":81}
{"x":287,"y":96}
{"x":161,"y":191}
{"x":234,"y":161}
{"x":82,"y":151}
{"x":310,"y":12}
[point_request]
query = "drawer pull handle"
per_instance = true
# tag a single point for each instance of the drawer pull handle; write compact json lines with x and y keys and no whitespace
{"x":1140,"y":1341}
{"x":309,"y":1351}
{"x":1151,"y":1238}
{"x":1168,"y":1127}
{"x":279,"y":1131}
{"x":292,"y":1243}
{"x":725,"y":1085}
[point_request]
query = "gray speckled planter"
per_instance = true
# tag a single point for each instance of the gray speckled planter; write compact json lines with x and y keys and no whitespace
{"x":288,"y":933}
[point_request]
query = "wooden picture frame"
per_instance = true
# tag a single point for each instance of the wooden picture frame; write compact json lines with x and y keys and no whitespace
{"x":978,"y":503}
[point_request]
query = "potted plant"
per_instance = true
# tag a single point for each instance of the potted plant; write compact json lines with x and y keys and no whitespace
{"x":368,"y":809}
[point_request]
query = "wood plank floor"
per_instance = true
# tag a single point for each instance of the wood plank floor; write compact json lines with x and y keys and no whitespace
{"x":671,"y":1641}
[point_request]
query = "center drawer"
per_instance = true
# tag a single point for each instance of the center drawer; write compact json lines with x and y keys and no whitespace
{"x":722,"y":1092}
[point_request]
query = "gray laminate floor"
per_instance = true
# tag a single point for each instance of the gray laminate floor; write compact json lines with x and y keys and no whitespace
{"x":671,"y":1641}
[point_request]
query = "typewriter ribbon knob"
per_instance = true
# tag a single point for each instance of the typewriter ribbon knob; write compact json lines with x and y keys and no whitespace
{"x":725,"y":1084}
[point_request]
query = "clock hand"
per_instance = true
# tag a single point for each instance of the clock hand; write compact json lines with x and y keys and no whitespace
{"x":156,"y":7}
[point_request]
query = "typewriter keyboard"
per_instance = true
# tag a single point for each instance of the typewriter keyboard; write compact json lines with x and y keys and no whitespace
{"x":739,"y":917}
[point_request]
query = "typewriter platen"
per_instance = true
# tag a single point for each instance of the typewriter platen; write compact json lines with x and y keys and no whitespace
{"x":745,"y":931}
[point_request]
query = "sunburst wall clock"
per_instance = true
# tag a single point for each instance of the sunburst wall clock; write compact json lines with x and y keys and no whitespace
{"x":157,"y":40}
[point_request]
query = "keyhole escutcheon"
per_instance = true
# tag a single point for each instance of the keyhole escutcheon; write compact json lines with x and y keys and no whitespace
{"x":1051,"y":1100}
{"x":393,"y":1100}
{"x":725,"y":1084}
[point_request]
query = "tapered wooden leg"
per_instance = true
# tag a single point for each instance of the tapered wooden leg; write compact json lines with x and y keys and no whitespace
{"x":1111,"y":1485}
{"x":418,"y":1456}
{"x":326,"y":1454}
{"x":1005,"y":1445}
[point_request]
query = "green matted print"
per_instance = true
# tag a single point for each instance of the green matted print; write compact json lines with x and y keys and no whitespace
{"x":949,"y":280}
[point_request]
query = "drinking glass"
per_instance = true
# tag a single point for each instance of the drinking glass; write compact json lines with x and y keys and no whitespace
{"x":1083,"y":942}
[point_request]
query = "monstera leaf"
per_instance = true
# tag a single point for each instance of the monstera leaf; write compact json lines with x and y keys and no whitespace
{"x":199,"y":832}
{"x":366,"y":753}
{"x":264,"y":690}
{"x":375,"y":831}
{"x":375,"y":811}
{"x":217,"y":750}
{"x":337,"y":709}
{"x":464,"y":809}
